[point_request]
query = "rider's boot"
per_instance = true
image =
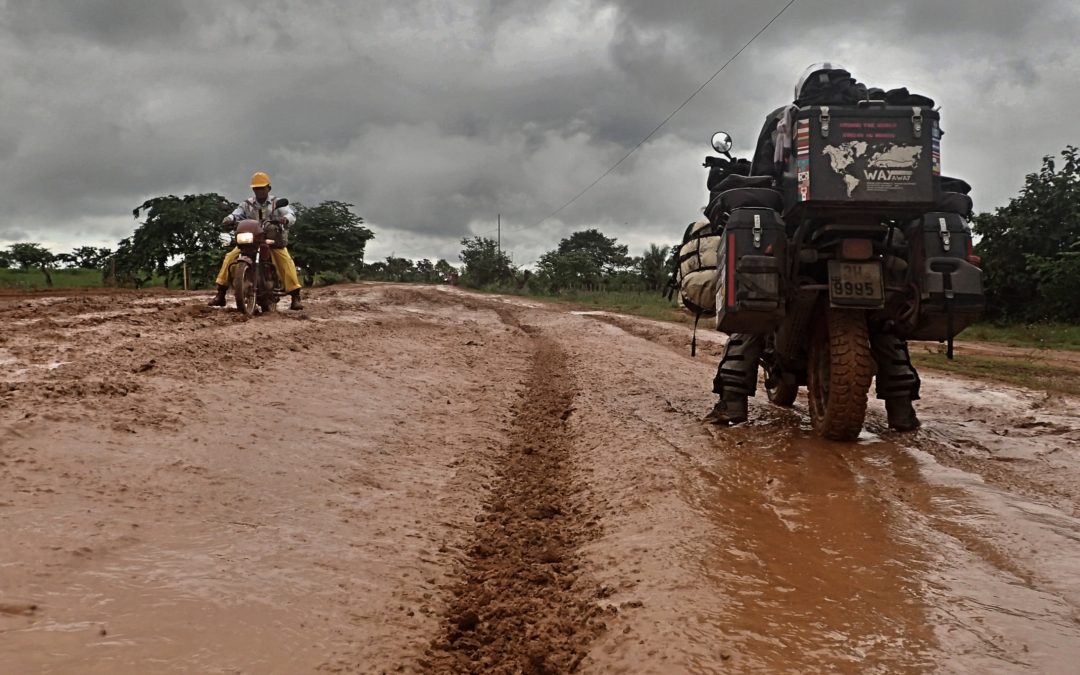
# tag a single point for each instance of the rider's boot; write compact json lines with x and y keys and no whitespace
{"x":901,"y":414}
{"x":730,"y":409}
{"x":296,"y":304}
{"x":219,"y":299}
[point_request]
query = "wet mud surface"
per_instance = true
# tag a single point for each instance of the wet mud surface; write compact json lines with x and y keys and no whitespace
{"x":420,"y":479}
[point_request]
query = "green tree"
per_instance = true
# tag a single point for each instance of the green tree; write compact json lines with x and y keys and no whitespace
{"x":1030,"y":247}
{"x":398,"y":269}
{"x":5,"y":260}
{"x":585,"y":259}
{"x":188,"y":228}
{"x":605,"y":254}
{"x":328,"y":238}
{"x":446,"y":271}
{"x":126,"y":268}
{"x":484,"y":263}
{"x":425,"y":269}
{"x":29,"y":255}
{"x":88,"y":257}
{"x":653,"y":267}
{"x":375,"y":270}
{"x":573,"y":269}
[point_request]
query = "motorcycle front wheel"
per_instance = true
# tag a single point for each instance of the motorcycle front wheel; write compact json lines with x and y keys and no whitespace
{"x":781,"y":387}
{"x":244,"y":288}
{"x":839,"y":372}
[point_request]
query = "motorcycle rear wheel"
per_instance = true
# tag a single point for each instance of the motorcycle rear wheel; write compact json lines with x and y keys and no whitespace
{"x":839,"y":373}
{"x":244,"y":288}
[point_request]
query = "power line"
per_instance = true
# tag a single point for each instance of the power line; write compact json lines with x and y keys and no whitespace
{"x":666,"y":119}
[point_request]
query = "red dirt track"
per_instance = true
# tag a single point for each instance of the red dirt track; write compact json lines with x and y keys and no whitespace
{"x":421,"y":479}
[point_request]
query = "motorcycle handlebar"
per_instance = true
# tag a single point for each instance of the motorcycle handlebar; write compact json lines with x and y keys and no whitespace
{"x":721,"y":162}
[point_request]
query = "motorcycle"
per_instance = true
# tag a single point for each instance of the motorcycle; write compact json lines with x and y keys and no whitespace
{"x":859,"y":238}
{"x":253,"y":277}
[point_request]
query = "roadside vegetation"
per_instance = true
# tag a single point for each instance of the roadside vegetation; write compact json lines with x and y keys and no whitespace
{"x":1036,"y":335}
{"x":62,"y":278}
{"x":639,"y":303}
{"x":1028,"y":370}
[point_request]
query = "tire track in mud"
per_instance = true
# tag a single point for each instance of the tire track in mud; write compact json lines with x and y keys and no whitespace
{"x":523,"y":604}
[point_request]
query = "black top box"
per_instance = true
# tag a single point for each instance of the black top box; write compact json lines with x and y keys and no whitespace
{"x":870,"y":159}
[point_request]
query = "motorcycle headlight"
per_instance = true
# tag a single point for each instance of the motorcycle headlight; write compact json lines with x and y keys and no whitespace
{"x":245,"y":238}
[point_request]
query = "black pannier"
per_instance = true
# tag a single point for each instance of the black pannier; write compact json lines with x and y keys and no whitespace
{"x":750,"y":284}
{"x":949,"y":286}
{"x":873,"y":159}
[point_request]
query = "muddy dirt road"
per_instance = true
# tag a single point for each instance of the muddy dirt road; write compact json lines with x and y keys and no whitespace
{"x":418,"y":479}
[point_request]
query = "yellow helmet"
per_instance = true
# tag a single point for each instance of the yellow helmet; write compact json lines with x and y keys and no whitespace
{"x":260,"y":179}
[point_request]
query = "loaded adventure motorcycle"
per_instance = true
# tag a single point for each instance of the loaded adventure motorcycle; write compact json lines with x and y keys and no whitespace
{"x":849,"y":243}
{"x":253,"y":278}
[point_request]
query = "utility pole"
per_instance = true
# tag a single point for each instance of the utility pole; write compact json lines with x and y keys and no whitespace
{"x":499,"y":230}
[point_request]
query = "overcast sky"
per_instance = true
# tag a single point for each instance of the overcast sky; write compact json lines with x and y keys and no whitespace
{"x":434,"y":116}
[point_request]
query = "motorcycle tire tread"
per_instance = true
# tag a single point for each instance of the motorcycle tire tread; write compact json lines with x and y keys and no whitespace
{"x":850,"y":372}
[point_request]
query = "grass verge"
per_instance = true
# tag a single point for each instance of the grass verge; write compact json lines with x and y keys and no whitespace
{"x":34,"y":279}
{"x":1041,"y":335}
{"x":650,"y":305}
{"x":1015,"y":370}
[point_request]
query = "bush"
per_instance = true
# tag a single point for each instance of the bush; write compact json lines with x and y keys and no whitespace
{"x":329,"y":279}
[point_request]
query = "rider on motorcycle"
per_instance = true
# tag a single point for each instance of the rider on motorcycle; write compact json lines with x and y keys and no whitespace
{"x":261,"y":208}
{"x":896,"y":381}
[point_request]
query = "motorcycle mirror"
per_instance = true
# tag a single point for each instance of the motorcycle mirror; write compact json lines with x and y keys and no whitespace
{"x":721,"y":142}
{"x":281,"y":202}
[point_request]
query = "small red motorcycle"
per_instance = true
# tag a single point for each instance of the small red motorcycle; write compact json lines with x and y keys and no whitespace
{"x":254,"y":279}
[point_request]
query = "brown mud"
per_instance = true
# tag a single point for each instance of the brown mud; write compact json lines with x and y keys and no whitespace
{"x":523,"y":604}
{"x":421,"y":479}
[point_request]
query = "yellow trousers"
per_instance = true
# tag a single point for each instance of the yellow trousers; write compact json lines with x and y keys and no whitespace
{"x":286,"y":268}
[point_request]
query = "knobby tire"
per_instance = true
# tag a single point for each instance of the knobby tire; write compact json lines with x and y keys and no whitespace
{"x":244,"y":288}
{"x":839,"y":373}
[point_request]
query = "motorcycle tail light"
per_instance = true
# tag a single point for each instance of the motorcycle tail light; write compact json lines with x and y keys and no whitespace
{"x":245,"y":238}
{"x":971,"y":257}
{"x":856,"y":249}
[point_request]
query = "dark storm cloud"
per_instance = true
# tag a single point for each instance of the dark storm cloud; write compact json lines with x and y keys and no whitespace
{"x":434,"y":117}
{"x":115,"y":22}
{"x":12,"y":234}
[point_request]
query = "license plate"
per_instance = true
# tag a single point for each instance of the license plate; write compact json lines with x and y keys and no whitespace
{"x":855,"y":284}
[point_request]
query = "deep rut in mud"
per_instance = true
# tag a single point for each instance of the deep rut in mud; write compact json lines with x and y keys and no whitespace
{"x":522,"y":604}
